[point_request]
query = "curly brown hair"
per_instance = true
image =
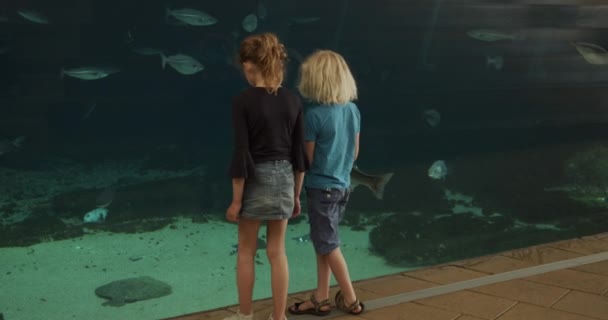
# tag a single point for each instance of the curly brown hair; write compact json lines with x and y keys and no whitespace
{"x":268,"y":55}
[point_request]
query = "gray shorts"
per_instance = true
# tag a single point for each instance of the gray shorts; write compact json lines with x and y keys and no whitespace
{"x":325,"y":211}
{"x":269,"y":194}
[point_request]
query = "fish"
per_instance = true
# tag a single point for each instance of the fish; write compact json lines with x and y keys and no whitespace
{"x":191,"y":17}
{"x":376,"y":183}
{"x":495,"y":61}
{"x":147,"y":51}
{"x":97,"y":215}
{"x":89,"y":73}
{"x":33,"y":16}
{"x":438,"y":170}
{"x":182,"y":63}
{"x":490,"y":35}
{"x":250,"y":23}
{"x":8,"y":145}
{"x":432,"y":117}
{"x":592,"y":53}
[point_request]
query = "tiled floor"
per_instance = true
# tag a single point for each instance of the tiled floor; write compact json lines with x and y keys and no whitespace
{"x":576,"y":293}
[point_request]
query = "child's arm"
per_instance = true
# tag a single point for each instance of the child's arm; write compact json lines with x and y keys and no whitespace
{"x":238,"y":184}
{"x":310,"y":150}
{"x":356,"y":146}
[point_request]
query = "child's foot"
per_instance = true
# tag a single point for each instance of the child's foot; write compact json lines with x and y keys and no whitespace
{"x":311,"y":306}
{"x":355,"y":307}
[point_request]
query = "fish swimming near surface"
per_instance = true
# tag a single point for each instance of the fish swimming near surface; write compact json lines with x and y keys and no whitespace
{"x":97,"y":215}
{"x":191,"y":17}
{"x":490,"y":35}
{"x":33,"y":16}
{"x":182,"y":63}
{"x":250,"y":23}
{"x":495,"y":61}
{"x":8,"y":145}
{"x":376,"y":183}
{"x":438,"y":170}
{"x":89,"y":73}
{"x":592,"y":53}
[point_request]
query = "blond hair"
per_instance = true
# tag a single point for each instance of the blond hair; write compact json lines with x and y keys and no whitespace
{"x":326,"y":79}
{"x":267,"y":53}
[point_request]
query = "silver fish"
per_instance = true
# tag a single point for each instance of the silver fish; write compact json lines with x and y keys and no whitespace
{"x":182,"y":63}
{"x":88,"y":73}
{"x":250,"y":23}
{"x":490,"y":35}
{"x":375,"y":183}
{"x":192,"y":17}
{"x":33,"y":16}
{"x":592,"y":53}
{"x":438,"y":170}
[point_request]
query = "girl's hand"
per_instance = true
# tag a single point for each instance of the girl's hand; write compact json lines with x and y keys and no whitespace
{"x":232,"y":214}
{"x":297,"y":208}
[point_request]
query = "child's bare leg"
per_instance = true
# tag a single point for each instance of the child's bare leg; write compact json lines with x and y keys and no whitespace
{"x":340,"y":270}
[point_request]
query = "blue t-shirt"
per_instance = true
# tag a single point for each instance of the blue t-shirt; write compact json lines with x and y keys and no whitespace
{"x":333,"y":129}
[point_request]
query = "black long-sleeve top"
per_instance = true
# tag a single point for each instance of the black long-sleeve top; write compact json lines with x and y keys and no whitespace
{"x":267,"y":127}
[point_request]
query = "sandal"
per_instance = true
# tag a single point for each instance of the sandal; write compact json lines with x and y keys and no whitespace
{"x":315,"y":311}
{"x":340,"y":303}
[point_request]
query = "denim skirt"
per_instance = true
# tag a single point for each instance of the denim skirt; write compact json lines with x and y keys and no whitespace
{"x":269,"y":195}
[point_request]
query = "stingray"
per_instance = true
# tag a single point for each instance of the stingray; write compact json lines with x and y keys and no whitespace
{"x":131,"y":290}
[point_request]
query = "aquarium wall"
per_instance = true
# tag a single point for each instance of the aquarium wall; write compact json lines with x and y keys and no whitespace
{"x":484,"y":129}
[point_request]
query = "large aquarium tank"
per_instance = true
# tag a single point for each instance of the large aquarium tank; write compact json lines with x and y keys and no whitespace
{"x":484,"y":129}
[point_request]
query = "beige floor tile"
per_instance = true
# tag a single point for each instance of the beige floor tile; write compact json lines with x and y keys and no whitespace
{"x":597,"y":267}
{"x":523,"y":311}
{"x":573,"y":279}
{"x":445,"y":274}
{"x":585,"y":304}
{"x":586,"y":246}
{"x":213,"y":315}
{"x":394,"y":285}
{"x":471,"y":303}
{"x":347,"y":317}
{"x":467,"y":317}
{"x":601,"y":236}
{"x":524,"y":291}
{"x":541,"y":254}
{"x":494,"y":264}
{"x":409,"y":311}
